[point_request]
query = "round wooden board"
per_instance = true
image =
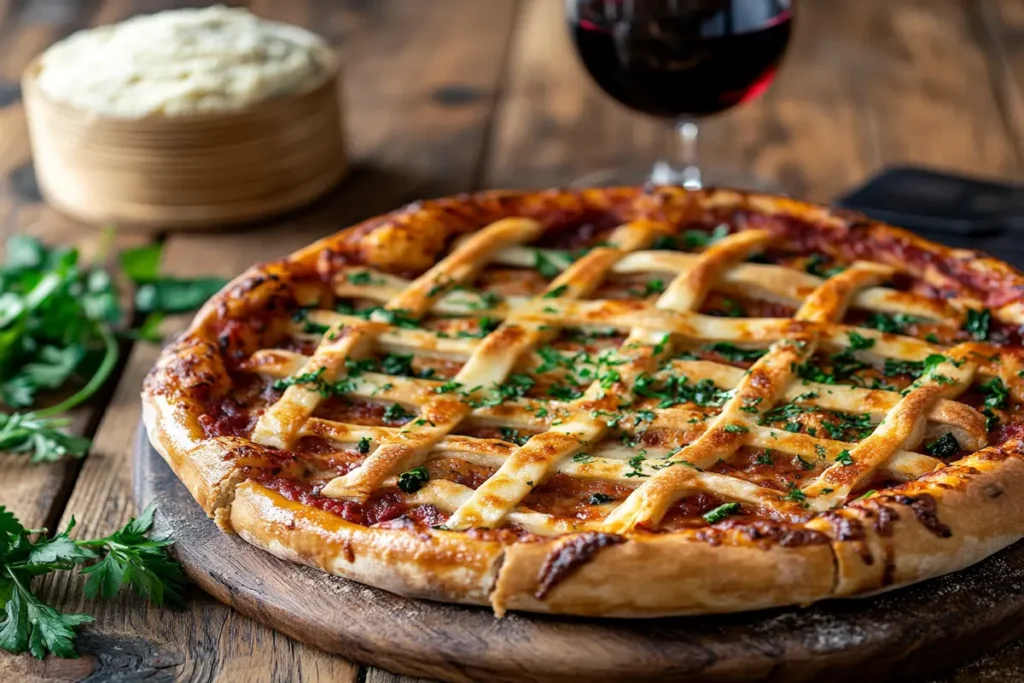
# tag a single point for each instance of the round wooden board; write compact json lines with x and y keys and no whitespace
{"x":902,"y":635}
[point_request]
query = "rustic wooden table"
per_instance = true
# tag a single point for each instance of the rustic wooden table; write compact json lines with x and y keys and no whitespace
{"x":455,"y":95}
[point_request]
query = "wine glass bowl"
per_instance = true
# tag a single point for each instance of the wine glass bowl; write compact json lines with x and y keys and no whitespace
{"x":680,"y":60}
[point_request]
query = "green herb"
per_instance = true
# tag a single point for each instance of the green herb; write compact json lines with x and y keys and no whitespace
{"x":397,"y":317}
{"x":978,"y":323}
{"x":556,"y":292}
{"x":413,"y":480}
{"x":892,"y":324}
{"x":859,"y":341}
{"x":513,"y":435}
{"x":40,"y":437}
{"x":364,"y":445}
{"x":795,"y":495}
{"x":721,"y":512}
{"x":844,"y":458}
{"x":676,"y":389}
{"x":636,"y":462}
{"x":397,"y":364}
{"x":362,"y":277}
{"x":820,"y":451}
{"x":693,"y":239}
{"x":818,"y":264}
{"x":545,"y":265}
{"x":944,"y":447}
{"x":867,"y":494}
{"x":176,"y":295}
{"x":582,"y":458}
{"x":735,"y":428}
{"x":996,"y":393}
{"x":395,"y":413}
{"x":916,"y":368}
{"x":804,"y":464}
{"x":732,"y":352}
{"x":126,"y":557}
{"x":598,"y":498}
{"x":765,"y":459}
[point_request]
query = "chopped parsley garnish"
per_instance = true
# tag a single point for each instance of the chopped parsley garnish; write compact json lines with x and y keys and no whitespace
{"x":978,"y":323}
{"x":859,"y":341}
{"x":944,"y":447}
{"x":765,"y":459}
{"x":795,"y":495}
{"x":996,"y":393}
{"x":844,"y":458}
{"x":448,"y":387}
{"x":818,"y":264}
{"x":396,"y":364}
{"x":364,"y":445}
{"x":733,"y":428}
{"x":598,"y":498}
{"x":398,"y":317}
{"x":916,"y":368}
{"x":721,"y":512}
{"x":545,"y":265}
{"x":395,"y":412}
{"x":362,"y":277}
{"x":676,"y":389}
{"x":556,"y":292}
{"x":820,"y":451}
{"x":563,"y":392}
{"x":583,"y":458}
{"x":513,"y":435}
{"x":804,"y":464}
{"x":413,"y":480}
{"x":693,"y":239}
{"x":991,"y":419}
{"x":732,"y":352}
{"x":636,"y":462}
{"x":650,"y":287}
{"x":892,"y":324}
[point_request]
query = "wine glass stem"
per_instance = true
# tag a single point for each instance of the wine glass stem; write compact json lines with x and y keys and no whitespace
{"x":689,"y":169}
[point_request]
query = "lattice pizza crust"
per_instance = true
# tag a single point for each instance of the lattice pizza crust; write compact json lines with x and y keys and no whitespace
{"x":803,"y":543}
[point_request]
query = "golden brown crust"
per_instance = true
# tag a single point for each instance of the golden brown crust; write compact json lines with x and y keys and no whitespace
{"x":942,"y":522}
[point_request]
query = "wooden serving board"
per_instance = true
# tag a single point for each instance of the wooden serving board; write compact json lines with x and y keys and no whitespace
{"x":903,"y":635}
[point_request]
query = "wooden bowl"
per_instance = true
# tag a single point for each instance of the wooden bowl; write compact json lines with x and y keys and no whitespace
{"x":187,"y":171}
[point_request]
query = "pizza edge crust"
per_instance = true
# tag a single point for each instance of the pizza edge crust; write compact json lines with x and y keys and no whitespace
{"x":731,"y":577}
{"x":985,"y":513}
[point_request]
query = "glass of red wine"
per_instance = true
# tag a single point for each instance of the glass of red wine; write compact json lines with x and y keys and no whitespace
{"x":681,"y":60}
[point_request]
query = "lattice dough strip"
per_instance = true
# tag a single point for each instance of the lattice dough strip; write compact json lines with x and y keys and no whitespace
{"x":625,"y":316}
{"x":532,"y":462}
{"x":966,"y":423}
{"x":903,"y":427}
{"x":489,"y":364}
{"x":522,"y":414}
{"x":764,"y":281}
{"x":279,"y":425}
{"x":756,"y":392}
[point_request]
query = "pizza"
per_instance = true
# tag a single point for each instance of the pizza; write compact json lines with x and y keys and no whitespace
{"x":625,"y":402}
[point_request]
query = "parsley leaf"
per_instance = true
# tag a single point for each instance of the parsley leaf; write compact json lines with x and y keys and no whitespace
{"x":943,"y":447}
{"x":129,"y":556}
{"x":978,"y":323}
{"x":413,"y":480}
{"x":721,"y":512}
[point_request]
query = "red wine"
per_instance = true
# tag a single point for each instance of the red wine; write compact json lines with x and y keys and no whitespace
{"x":681,"y":58}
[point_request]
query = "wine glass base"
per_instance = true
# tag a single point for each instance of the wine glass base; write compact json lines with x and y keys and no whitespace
{"x":710,"y":176}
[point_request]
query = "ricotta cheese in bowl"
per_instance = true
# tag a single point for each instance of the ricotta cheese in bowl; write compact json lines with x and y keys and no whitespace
{"x":186,"y":119}
{"x":185,"y":61}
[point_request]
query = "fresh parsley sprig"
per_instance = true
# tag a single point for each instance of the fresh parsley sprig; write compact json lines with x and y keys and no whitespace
{"x":129,"y":556}
{"x":58,"y":327}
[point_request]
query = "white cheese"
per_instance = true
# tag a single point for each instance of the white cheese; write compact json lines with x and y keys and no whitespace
{"x":181,"y":62}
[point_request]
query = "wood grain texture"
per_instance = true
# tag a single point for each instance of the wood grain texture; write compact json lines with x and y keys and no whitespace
{"x":877,"y":639}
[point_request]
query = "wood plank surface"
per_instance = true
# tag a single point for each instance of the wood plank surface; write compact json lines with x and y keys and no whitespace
{"x":451,"y":95}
